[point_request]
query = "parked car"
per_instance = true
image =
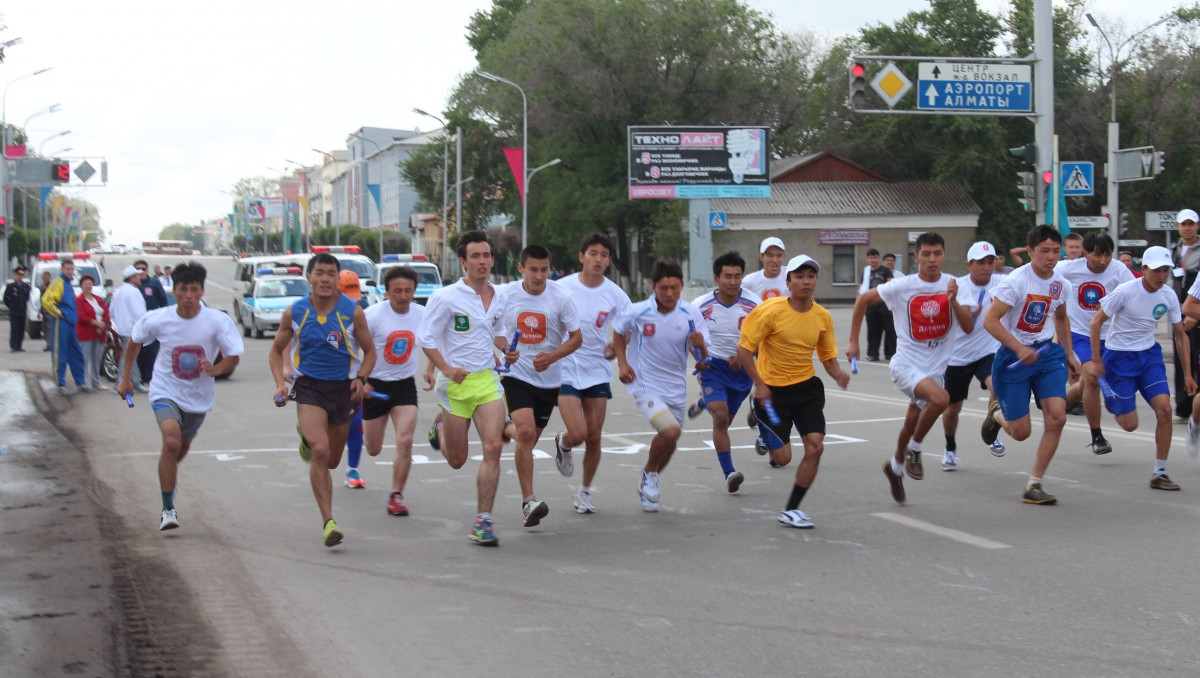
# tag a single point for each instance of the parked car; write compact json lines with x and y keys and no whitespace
{"x":272,"y":292}
{"x":429,"y":278}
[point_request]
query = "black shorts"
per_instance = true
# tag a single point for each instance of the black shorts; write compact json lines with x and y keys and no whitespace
{"x":519,"y":395}
{"x":331,"y":396}
{"x":958,"y":377}
{"x":801,"y":405}
{"x":399,"y":393}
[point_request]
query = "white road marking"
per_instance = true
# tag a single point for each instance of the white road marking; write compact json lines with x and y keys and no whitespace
{"x":940,"y":531}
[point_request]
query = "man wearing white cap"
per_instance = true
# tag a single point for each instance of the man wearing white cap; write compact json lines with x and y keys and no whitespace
{"x":126,"y":308}
{"x":1186,"y":258}
{"x":1133,"y":360}
{"x":783,"y":334}
{"x":927,"y":314}
{"x":973,"y":353}
{"x":771,"y":281}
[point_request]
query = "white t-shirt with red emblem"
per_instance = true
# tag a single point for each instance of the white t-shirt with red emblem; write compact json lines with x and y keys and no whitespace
{"x":925,"y":322}
{"x":1088,"y":289}
{"x":1034,"y":301}
{"x":545,"y":321}
{"x":763,"y":288}
{"x":395,"y":338}
{"x":596,"y":307}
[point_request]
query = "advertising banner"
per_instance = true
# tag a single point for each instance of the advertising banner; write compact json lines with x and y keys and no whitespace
{"x":699,"y":162}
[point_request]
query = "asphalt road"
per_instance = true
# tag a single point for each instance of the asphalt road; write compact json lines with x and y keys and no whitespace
{"x":964,"y":579}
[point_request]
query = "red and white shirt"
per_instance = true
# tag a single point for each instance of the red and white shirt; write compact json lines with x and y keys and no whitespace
{"x":595,"y":307}
{"x":545,"y":321}
{"x":1088,"y":289}
{"x":925,"y":322}
{"x":395,"y":338}
{"x":1034,"y":301}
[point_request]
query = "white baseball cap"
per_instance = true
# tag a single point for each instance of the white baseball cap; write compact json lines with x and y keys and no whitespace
{"x":1157,"y":257}
{"x":1187,"y":215}
{"x":129,"y":272}
{"x":768,"y":242}
{"x":980,"y":250}
{"x":802,"y":260}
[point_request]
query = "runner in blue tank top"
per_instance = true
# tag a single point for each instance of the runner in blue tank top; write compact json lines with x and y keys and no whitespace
{"x":328,"y":328}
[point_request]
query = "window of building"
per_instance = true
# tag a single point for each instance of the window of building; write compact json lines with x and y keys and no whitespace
{"x":844,"y":272}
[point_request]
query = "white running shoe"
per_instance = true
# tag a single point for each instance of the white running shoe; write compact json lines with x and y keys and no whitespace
{"x":795,"y":518}
{"x":583,"y":502}
{"x":170,"y":521}
{"x":647,"y":505}
{"x":997,"y":447}
{"x":733,"y":480}
{"x":533,"y":511}
{"x":949,"y":461}
{"x":563,"y":458}
{"x":1193,"y":438}
{"x":650,"y":485}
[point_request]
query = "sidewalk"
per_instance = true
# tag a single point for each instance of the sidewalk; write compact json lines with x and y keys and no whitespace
{"x":58,"y":612}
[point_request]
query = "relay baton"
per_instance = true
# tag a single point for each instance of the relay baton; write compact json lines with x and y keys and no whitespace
{"x":129,"y":399}
{"x":379,"y":396}
{"x":854,"y":365}
{"x":770,"y":409}
{"x":512,"y":346}
{"x":1013,"y":365}
{"x":279,"y":400}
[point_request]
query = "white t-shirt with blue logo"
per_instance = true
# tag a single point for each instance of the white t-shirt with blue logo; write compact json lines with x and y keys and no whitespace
{"x":1135,"y":313}
{"x":1033,"y":301}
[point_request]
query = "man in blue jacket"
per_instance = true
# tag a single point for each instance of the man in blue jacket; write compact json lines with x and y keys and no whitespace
{"x":155,"y":297}
{"x":58,"y":305}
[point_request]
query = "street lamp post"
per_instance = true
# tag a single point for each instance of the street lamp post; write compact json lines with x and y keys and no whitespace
{"x":51,"y":138}
{"x":378,"y":203}
{"x":5,"y":210}
{"x":445,"y":188}
{"x":1114,"y":127}
{"x":524,"y":152}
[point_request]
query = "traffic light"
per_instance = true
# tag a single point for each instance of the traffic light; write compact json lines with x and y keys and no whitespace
{"x":1160,"y":162}
{"x":1028,"y":189}
{"x":60,"y":173}
{"x":3,"y":227}
{"x":858,"y":86}
{"x":1026,"y":154}
{"x":1124,"y":225}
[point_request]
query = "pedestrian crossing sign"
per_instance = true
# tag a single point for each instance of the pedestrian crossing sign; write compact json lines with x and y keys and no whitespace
{"x":716,"y":221}
{"x":1078,"y":178}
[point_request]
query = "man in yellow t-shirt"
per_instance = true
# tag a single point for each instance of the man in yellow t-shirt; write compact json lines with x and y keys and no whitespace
{"x":783,"y":333}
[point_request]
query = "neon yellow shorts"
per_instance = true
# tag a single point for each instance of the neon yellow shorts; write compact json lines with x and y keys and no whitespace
{"x":477,"y":389}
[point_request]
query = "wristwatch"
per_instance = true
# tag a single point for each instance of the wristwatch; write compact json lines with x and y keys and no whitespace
{"x":362,"y":379}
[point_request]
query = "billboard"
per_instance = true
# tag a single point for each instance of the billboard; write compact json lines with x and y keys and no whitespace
{"x":699,"y":162}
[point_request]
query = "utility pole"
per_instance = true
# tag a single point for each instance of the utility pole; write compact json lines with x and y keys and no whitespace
{"x":1043,"y":49}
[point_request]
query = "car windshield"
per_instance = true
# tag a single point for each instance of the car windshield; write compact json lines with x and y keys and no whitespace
{"x":283,"y":288}
{"x":425,"y":275}
{"x":364,"y":269}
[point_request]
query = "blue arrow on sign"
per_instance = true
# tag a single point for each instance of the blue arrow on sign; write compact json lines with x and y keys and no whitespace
{"x":964,"y":95}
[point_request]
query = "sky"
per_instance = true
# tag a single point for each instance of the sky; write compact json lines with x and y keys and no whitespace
{"x":183,"y":102}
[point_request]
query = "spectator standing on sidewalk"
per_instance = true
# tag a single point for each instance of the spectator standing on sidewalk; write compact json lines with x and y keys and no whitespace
{"x":16,"y":298}
{"x":1186,"y":257}
{"x":126,"y":308}
{"x":90,"y":329}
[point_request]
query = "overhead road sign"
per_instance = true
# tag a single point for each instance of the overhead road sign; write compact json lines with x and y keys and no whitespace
{"x":966,"y":86}
{"x":891,"y":84}
{"x":1078,"y":178}
{"x":1134,"y":164}
{"x":1088,"y":222}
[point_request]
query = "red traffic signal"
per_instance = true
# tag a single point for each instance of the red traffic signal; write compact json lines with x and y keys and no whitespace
{"x":61,"y":172}
{"x":1048,"y":177}
{"x":858,"y":70}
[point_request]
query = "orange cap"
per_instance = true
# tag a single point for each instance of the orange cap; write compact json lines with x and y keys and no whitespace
{"x":348,"y":284}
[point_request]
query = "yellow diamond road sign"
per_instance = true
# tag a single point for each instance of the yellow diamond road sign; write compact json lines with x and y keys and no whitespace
{"x":891,"y":84}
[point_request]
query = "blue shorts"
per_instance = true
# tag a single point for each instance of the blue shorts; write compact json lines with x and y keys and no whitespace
{"x":1128,"y":372}
{"x":1082,"y":345}
{"x":1046,"y":378}
{"x":719,"y":383}
{"x":598,"y":391}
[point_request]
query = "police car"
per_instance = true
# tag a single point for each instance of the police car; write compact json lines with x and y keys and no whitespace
{"x":273,"y":290}
{"x":50,"y":262}
{"x":350,"y":258}
{"x":429,"y":278}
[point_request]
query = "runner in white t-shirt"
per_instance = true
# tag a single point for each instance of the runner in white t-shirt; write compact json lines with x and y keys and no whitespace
{"x":182,"y":391}
{"x":972,"y":355}
{"x":587,"y":373}
{"x":1133,"y":361}
{"x":394,"y":327}
{"x":771,"y":280}
{"x":725,"y":384}
{"x":1028,"y":361}
{"x":462,"y":328}
{"x":545,"y":314}
{"x":927,"y":313}
{"x":660,"y":333}
{"x":1092,"y":276}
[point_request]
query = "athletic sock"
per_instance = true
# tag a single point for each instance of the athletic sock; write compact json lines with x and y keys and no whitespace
{"x":585,"y":488}
{"x":793,"y":502}
{"x":726,"y":460}
{"x":951,"y":446}
{"x":897,"y":467}
{"x":168,"y":500}
{"x":914,"y":445}
{"x":1033,"y":481}
{"x":1096,"y":434}
{"x":1160,"y":467}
